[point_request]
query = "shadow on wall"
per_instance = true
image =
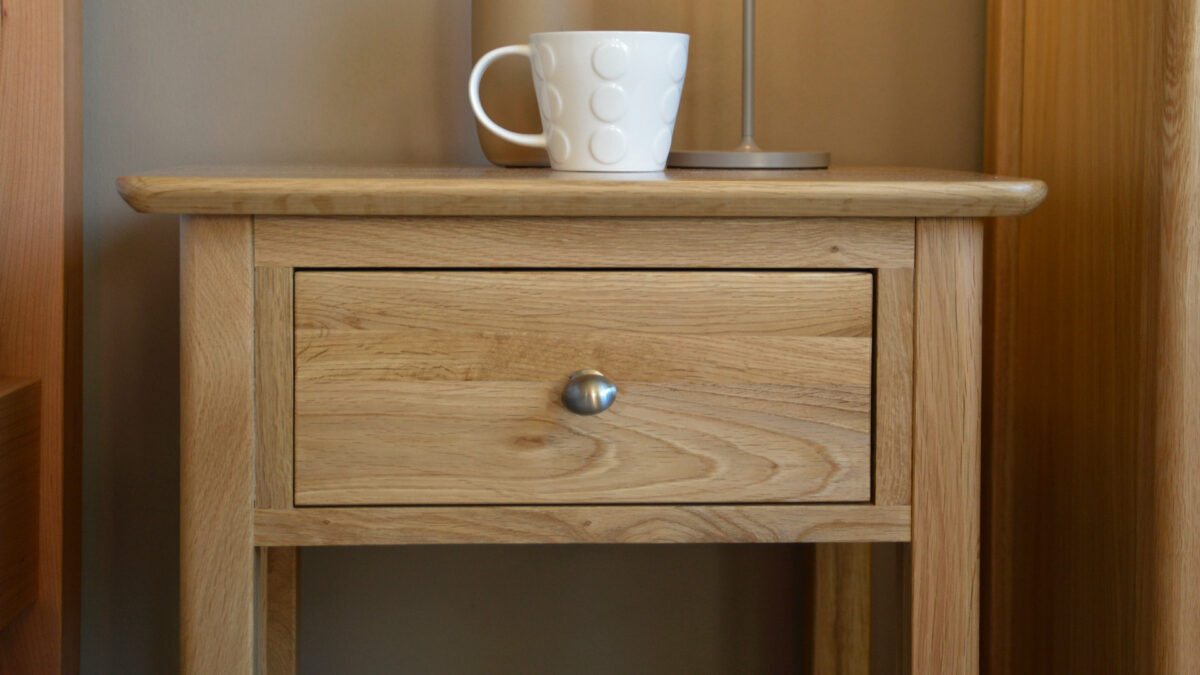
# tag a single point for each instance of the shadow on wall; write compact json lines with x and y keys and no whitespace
{"x":131,"y":462}
{"x":669,"y":609}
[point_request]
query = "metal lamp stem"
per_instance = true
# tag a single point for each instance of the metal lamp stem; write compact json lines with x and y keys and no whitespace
{"x":747,"y":155}
{"x":748,"y":74}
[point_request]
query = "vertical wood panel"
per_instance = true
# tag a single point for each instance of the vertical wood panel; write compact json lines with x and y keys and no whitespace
{"x":40,"y":260}
{"x":273,"y":460}
{"x":216,"y":464}
{"x":893,"y":386}
{"x":1176,"y":620}
{"x":19,"y":445}
{"x":889,"y":569}
{"x":1001,"y":155}
{"x":946,"y":439}
{"x":1072,"y":456}
{"x":273,"y":393}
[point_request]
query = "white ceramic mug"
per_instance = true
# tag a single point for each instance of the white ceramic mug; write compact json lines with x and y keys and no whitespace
{"x":608,"y":99}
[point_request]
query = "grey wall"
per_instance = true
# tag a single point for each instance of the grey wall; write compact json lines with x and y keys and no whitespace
{"x":171,"y":82}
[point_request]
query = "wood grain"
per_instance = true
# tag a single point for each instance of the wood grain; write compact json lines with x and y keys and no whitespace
{"x":41,"y":195}
{"x":709,"y":304}
{"x":1081,"y":476}
{"x":480,"y":191}
{"x":273,"y":388}
{"x":1004,"y":87}
{"x":893,"y":386}
{"x":692,"y":524}
{"x":1176,"y":552}
{"x":216,"y":465}
{"x":890,"y":571}
{"x":442,"y":387}
{"x":583,"y":242}
{"x":20,"y":414}
{"x":946,"y":446}
{"x":281,"y":610}
{"x":841,"y":597}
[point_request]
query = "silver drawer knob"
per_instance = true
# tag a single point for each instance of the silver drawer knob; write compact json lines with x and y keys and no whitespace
{"x":588,"y":392}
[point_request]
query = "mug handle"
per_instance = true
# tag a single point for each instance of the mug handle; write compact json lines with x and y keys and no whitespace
{"x":530,"y":140}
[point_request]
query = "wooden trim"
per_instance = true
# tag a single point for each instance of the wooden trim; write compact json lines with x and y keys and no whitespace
{"x":893,"y":386}
{"x":946,"y":447}
{"x":1001,"y":154}
{"x":582,"y":242}
{"x":888,"y":570}
{"x":280,"y":610}
{"x":578,"y":524}
{"x":41,"y":262}
{"x":1175,"y":624}
{"x":273,"y":393}
{"x":1004,"y":84}
{"x":216,"y":465}
{"x":480,"y":191}
{"x":841,"y":597}
{"x":20,"y":414}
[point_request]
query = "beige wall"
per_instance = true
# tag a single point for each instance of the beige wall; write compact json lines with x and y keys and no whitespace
{"x":173,"y":82}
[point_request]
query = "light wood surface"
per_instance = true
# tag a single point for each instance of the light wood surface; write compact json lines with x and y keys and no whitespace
{"x":890,"y":571}
{"x":273,"y":458}
{"x":841,"y":597}
{"x":479,"y":191}
{"x":273,"y":387}
{"x":41,"y":194}
{"x":618,"y":524}
{"x":946,"y":447}
{"x":393,"y":367}
{"x":893,"y":386}
{"x":279,"y":583}
{"x":1176,"y":621}
{"x":20,"y":413}
{"x":579,"y":242}
{"x":442,"y":387}
{"x":217,"y":434}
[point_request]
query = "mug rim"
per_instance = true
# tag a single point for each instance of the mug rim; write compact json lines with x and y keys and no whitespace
{"x":608,"y":32}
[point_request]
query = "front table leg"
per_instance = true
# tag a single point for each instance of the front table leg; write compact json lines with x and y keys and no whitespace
{"x":946,"y":446}
{"x":216,"y":466}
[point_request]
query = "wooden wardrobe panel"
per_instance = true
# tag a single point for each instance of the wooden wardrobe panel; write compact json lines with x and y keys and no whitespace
{"x":40,"y":288}
{"x":1091,"y":428}
{"x":19,"y":440}
{"x":1176,"y":550}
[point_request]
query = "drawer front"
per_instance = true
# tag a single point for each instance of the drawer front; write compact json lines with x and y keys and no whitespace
{"x":416,"y":387}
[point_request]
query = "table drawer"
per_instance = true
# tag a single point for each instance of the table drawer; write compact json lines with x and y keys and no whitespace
{"x":443,"y":387}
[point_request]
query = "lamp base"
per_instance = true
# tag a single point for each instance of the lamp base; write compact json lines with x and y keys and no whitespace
{"x":747,"y":159}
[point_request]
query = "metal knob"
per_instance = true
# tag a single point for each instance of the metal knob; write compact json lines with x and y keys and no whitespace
{"x":588,"y":392}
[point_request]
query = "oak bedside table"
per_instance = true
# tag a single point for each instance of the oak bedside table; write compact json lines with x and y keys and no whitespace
{"x":418,"y":356}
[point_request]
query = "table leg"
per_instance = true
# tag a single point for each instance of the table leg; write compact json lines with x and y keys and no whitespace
{"x":841,"y":614}
{"x":279,"y":606}
{"x":946,"y":447}
{"x":216,"y":446}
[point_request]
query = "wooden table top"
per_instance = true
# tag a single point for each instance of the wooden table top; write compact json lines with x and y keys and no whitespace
{"x":495,"y":191}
